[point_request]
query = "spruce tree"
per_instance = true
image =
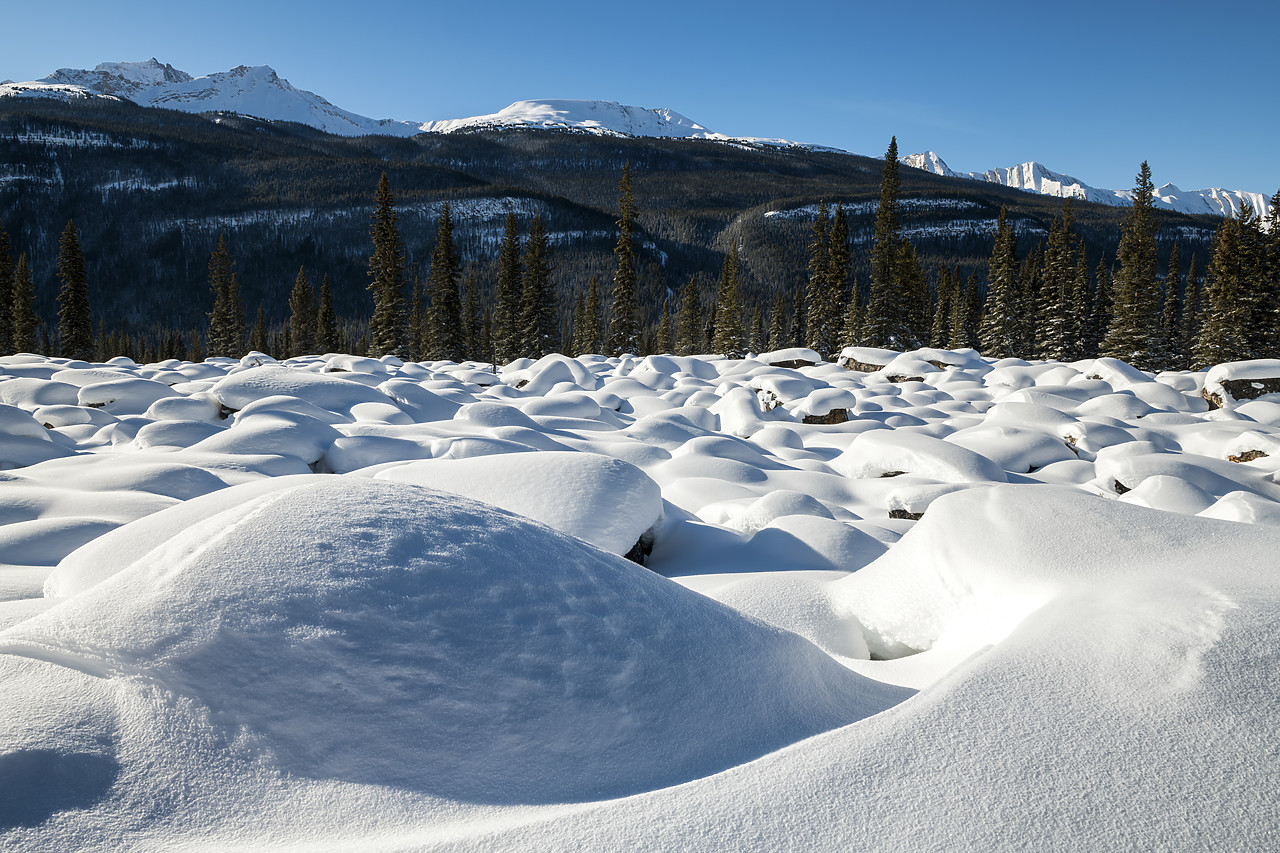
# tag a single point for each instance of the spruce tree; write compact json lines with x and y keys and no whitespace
{"x":471,"y":318}
{"x":998,"y":333}
{"x":538,"y":309}
{"x":6,"y":292}
{"x":1135,"y":311}
{"x":1077,"y":339}
{"x":756,"y":339}
{"x":778,"y":321}
{"x":841,"y":264}
{"x":944,"y":309}
{"x":386,"y":275}
{"x":1170,"y":354}
{"x":822,"y":299}
{"x":302,"y":316}
{"x":1099,"y":309}
{"x":26,"y":322}
{"x":442,"y":287}
{"x":665,"y":342}
{"x":1055,"y":332}
{"x":1227,"y":300}
{"x":1190,"y":316}
{"x":226,"y":321}
{"x":258,"y":336}
{"x":75,"y":324}
{"x":885,"y":323}
{"x":852,"y":333}
{"x":326,"y":320}
{"x":730,"y":336}
{"x":1267,"y":310}
{"x":624,"y":323}
{"x":508,"y":337}
{"x":968,"y":314}
{"x":689,"y":323}
{"x":587,"y":330}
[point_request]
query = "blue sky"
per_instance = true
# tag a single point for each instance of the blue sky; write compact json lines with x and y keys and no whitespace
{"x":1088,"y":88}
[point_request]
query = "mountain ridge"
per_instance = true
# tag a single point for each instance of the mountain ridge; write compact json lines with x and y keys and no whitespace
{"x":1032,"y":176}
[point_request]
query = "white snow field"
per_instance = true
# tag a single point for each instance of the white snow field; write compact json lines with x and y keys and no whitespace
{"x":940,"y":602}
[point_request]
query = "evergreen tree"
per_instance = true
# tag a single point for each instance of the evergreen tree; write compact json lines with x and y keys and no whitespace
{"x":326,"y":320}
{"x":1227,"y":300}
{"x":666,"y":332}
{"x":885,"y":323}
{"x":226,"y":322}
{"x":841,"y":264}
{"x":1190,"y":317}
{"x":822,"y":296}
{"x":442,"y":288}
{"x":1135,"y":310}
{"x":797,"y":332}
{"x":689,"y":323}
{"x":1099,"y":309}
{"x":75,"y":324}
{"x":778,"y":321}
{"x":624,"y":323}
{"x":538,"y":308}
{"x":471,"y":319}
{"x":258,"y":336}
{"x":944,"y":309}
{"x":1055,"y":333}
{"x":1077,"y":339}
{"x":730,"y":336}
{"x":386,"y":275}
{"x":1171,"y":315}
{"x":508,"y":336}
{"x":588,"y":330}
{"x":756,"y":340}
{"x":302,"y":316}
{"x":998,"y":332}
{"x":852,"y":318}
{"x":26,"y":322}
{"x":6,"y":292}
{"x":964,"y":328}
{"x":914,"y":288}
{"x":419,"y":332}
{"x":1267,"y":311}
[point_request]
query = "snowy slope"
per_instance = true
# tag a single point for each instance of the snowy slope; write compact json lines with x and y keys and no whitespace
{"x":598,"y":116}
{"x":256,"y":91}
{"x":1035,"y":177}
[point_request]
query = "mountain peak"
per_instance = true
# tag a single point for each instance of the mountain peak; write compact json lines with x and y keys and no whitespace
{"x":579,"y":114}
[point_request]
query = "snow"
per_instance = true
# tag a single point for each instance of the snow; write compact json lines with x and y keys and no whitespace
{"x":366,"y":604}
{"x":1035,"y":177}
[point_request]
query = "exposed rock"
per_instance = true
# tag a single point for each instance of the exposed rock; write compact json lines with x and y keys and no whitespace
{"x":1247,"y":456}
{"x":835,"y":416}
{"x":907,"y":516}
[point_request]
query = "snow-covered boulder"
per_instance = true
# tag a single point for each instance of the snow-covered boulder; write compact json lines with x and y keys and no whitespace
{"x":1226,"y":383}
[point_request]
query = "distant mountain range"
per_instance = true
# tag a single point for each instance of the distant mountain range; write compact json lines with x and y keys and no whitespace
{"x":1035,"y":177}
{"x":259,"y":92}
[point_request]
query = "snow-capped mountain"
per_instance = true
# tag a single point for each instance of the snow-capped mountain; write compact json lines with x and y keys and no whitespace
{"x":256,"y":91}
{"x":1035,"y":177}
{"x":600,"y":116}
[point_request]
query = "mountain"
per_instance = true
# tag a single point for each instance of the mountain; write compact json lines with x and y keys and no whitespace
{"x":258,"y":91}
{"x":247,"y":90}
{"x":1035,"y":177}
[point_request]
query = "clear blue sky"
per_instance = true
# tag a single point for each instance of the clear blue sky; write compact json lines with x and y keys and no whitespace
{"x":1088,"y":88}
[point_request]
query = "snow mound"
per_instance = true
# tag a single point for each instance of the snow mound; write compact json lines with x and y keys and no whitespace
{"x":407,"y":638}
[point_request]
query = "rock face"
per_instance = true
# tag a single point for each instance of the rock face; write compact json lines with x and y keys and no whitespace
{"x":1232,"y":381}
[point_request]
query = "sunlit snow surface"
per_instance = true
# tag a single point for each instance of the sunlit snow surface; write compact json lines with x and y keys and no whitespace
{"x":346,"y":603}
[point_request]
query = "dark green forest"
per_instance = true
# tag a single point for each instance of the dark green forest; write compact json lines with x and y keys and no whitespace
{"x":153,"y":192}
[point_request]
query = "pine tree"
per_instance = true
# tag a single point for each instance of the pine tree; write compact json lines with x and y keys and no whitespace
{"x":730,"y":336}
{"x":665,"y":342}
{"x":471,"y":319}
{"x":6,"y":292}
{"x":26,"y":322}
{"x":964,"y":328}
{"x":1171,"y":315}
{"x":998,"y":333}
{"x":1227,"y":300}
{"x":1077,"y":347}
{"x":841,"y":264}
{"x":508,"y":338}
{"x":689,"y":322}
{"x":624,"y":323}
{"x":944,"y":309}
{"x":258,"y":336}
{"x":538,"y":308}
{"x":302,"y":316}
{"x":797,"y":332}
{"x":885,"y":323}
{"x":1135,"y":292}
{"x":587,"y":328}
{"x":226,"y":322}
{"x":442,"y":288}
{"x":1099,"y":309}
{"x":1267,"y":310}
{"x":75,"y":324}
{"x":386,"y":275}
{"x":775,"y":338}
{"x":1055,"y":332}
{"x":326,"y":320}
{"x":1190,"y":316}
{"x":852,"y":333}
{"x":822,"y":298}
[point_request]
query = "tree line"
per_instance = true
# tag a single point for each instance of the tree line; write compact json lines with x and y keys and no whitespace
{"x":1046,"y":304}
